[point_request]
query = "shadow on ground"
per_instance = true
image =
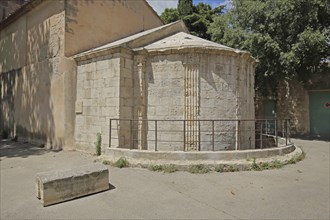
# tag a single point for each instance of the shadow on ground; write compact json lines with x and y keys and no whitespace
{"x":20,"y":149}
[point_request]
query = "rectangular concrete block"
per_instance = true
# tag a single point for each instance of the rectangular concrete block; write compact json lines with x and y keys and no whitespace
{"x":62,"y":185}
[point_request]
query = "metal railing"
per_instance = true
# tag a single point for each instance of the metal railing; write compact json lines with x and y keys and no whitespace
{"x":198,"y":135}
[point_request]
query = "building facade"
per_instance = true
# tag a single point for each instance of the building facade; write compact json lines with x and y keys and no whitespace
{"x":38,"y":73}
{"x":68,"y":67}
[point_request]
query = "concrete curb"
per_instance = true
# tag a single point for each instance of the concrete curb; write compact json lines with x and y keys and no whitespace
{"x":284,"y":156}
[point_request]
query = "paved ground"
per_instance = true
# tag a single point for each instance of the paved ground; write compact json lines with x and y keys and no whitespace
{"x":299,"y":191}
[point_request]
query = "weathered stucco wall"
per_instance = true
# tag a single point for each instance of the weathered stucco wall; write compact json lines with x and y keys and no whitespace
{"x":37,"y":81}
{"x":293,"y":103}
{"x":107,"y":21}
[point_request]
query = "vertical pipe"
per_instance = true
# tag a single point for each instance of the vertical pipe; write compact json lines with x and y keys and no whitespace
{"x":212,"y":135}
{"x":155,"y":135}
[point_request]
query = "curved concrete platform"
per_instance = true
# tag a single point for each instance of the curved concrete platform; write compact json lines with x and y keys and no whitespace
{"x":239,"y":158}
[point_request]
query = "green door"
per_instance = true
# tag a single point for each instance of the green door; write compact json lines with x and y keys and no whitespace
{"x":319,"y":113}
{"x":269,"y":113}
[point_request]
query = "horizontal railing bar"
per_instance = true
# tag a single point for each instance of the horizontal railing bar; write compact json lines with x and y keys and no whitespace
{"x":209,"y":120}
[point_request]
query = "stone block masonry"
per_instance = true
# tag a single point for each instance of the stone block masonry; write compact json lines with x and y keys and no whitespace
{"x":62,"y":185}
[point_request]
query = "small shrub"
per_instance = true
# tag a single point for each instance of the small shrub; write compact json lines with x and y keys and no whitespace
{"x":156,"y":167}
{"x":254,"y":165}
{"x":98,"y":144}
{"x":199,"y":168}
{"x":168,"y":168}
{"x":106,"y":162}
{"x":292,"y":161}
{"x":171,"y":168}
{"x":121,"y":162}
{"x":219,"y":168}
{"x":296,"y":159}
{"x":276,"y":164}
{"x":264,"y":165}
{"x":233,"y":168}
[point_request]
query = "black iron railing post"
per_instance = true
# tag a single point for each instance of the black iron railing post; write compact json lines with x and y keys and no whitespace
{"x":286,"y":132}
{"x":289,"y":131}
{"x":276,"y":137}
{"x":155,"y":135}
{"x":261,"y":122}
{"x":237,"y":135}
{"x":199,"y":135}
{"x":184,"y":135}
{"x":110,"y":133}
{"x":131,"y":132}
{"x":212,"y":135}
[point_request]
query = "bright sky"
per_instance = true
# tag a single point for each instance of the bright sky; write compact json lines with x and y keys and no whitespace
{"x":160,"y":5}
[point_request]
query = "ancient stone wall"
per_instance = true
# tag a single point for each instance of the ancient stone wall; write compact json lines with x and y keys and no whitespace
{"x":98,"y":100}
{"x":198,"y":86}
{"x":141,"y":88}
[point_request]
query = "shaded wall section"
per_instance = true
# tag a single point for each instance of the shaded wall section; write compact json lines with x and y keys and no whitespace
{"x":37,"y":81}
{"x":107,"y":21}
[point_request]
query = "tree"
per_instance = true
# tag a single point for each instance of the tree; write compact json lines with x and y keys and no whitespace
{"x":197,"y":21}
{"x":289,"y":38}
{"x":185,"y":7}
{"x":170,"y":15}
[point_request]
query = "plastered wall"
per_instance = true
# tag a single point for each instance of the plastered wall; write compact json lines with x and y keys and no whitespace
{"x":107,"y":21}
{"x":37,"y":81}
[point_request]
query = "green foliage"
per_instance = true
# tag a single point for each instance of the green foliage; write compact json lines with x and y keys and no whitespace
{"x":199,"y":168}
{"x":296,"y":159}
{"x":226,"y":168}
{"x":232,"y":168}
{"x":219,"y":168}
{"x":170,"y":15}
{"x":155,"y":167}
{"x":121,"y":162}
{"x":167,"y":168}
{"x":276,"y":164}
{"x":185,"y":7}
{"x":254,"y":165}
{"x":98,"y":144}
{"x":106,"y":162}
{"x":170,"y":168}
{"x":289,"y":38}
{"x":197,"y":19}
